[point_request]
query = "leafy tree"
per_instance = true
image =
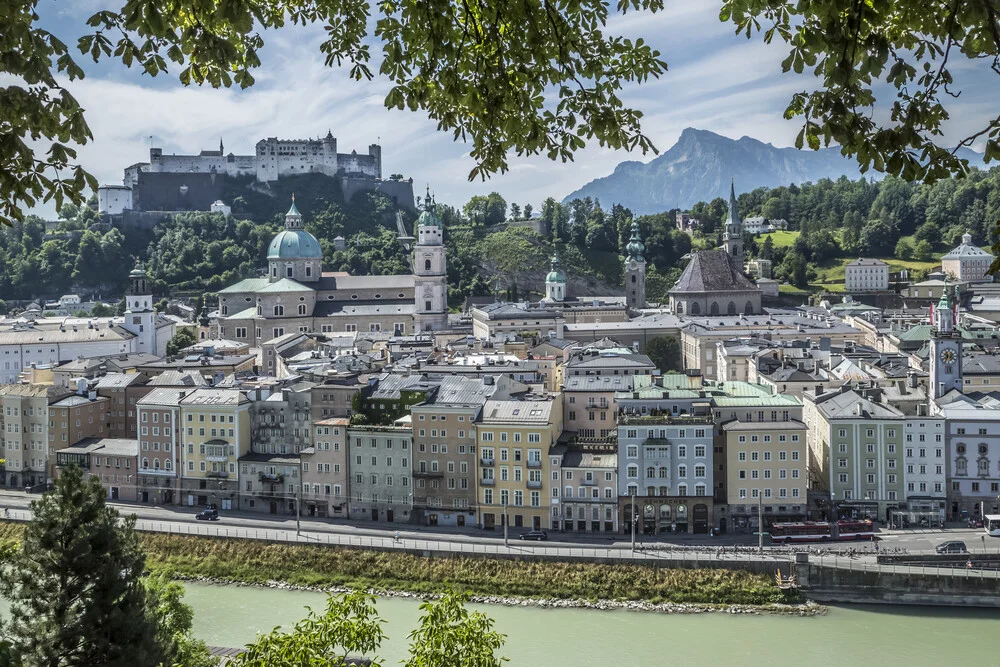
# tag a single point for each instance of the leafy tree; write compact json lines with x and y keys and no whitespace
{"x":450,"y":635}
{"x":486,"y":210}
{"x":181,"y":340}
{"x":929,"y":232}
{"x":528,"y":210}
{"x":559,"y":86}
{"x":515,"y":211}
{"x":767,"y":249}
{"x":923,"y":251}
{"x":904,"y":249}
{"x":74,"y":585}
{"x":852,"y":48}
{"x":877,"y":236}
{"x":3,"y":307}
{"x":665,"y":352}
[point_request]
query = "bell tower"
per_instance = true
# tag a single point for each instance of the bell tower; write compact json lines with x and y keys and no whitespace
{"x":732,"y":235}
{"x":430,"y":272}
{"x":139,"y":314}
{"x":635,"y":271}
{"x":945,"y":347}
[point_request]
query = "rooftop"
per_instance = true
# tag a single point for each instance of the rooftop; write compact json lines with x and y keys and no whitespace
{"x":712,"y":271}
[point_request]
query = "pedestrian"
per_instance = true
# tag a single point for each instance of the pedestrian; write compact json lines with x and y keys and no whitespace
{"x":397,"y":536}
{"x":876,"y":546}
{"x":968,"y":564}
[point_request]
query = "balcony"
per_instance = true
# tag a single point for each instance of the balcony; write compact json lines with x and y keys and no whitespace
{"x":270,"y":478}
{"x":534,"y":464}
{"x":220,"y":474}
{"x":217,"y":452}
{"x":486,"y":462}
{"x":534,"y":484}
{"x":428,"y":473}
{"x":589,"y":482}
{"x":487,"y":482}
{"x":627,"y":419}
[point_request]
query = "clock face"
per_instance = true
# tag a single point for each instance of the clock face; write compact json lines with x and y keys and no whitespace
{"x":633,"y":264}
{"x":948,"y":356}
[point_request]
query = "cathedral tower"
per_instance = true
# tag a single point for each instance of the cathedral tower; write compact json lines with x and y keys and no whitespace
{"x":139,"y":313}
{"x":430,"y":273}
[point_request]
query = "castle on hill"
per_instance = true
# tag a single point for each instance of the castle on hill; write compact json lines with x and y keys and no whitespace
{"x":170,"y":182}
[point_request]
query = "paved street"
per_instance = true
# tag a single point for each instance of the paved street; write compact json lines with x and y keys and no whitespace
{"x":282,"y":528}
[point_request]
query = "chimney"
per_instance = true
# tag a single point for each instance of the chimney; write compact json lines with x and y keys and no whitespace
{"x":857,"y":409}
{"x":91,"y":395}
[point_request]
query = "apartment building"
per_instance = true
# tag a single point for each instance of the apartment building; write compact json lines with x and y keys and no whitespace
{"x":589,"y":403}
{"x":584,"y":485}
{"x":281,"y":419}
{"x":665,"y":475}
{"x":334,"y":395}
{"x":24,"y":420}
{"x":111,"y":460}
{"x":514,"y":464}
{"x":924,"y":464}
{"x":766,"y":473}
{"x":123,"y":391}
{"x":444,"y":449}
{"x":381,"y":483}
{"x":269,"y":483}
{"x":161,"y":440}
{"x":856,"y":453}
{"x":216,"y":425}
{"x":972,"y":452}
{"x":72,"y":419}
{"x":325,"y":470}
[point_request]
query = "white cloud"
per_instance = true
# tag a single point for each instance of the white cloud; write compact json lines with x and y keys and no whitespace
{"x":717,"y":81}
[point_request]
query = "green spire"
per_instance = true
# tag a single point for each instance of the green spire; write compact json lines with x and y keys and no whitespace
{"x":555,"y":274}
{"x":293,"y":210}
{"x":733,"y":217}
{"x":945,"y":300}
{"x":635,"y":247}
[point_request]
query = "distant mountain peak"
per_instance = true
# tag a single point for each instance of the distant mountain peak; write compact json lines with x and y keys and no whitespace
{"x":699,"y":166}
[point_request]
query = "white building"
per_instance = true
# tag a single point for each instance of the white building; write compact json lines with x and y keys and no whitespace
{"x":972,"y":446}
{"x":866,"y":275}
{"x":924,"y":464}
{"x":967,"y":262}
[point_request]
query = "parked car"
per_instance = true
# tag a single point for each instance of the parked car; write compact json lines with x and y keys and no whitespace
{"x":207,"y":515}
{"x":975,"y":523}
{"x":537,"y":535}
{"x":952,"y":547}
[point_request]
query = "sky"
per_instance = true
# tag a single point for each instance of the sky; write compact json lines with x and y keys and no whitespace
{"x":717,"y":81}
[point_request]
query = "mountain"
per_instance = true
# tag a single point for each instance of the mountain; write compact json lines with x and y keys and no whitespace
{"x":698,"y":168}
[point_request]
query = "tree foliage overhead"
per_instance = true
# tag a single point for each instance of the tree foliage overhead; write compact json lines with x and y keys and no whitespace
{"x":530,"y":77}
{"x":855,"y":47}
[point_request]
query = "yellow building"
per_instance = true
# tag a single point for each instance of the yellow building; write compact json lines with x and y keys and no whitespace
{"x":765,"y":472}
{"x":514,"y":438}
{"x":216,"y":432}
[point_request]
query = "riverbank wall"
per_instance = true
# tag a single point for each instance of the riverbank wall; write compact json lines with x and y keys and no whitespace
{"x":874,"y":583}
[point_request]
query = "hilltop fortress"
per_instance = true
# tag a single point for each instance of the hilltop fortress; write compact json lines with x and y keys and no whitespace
{"x":171,"y":183}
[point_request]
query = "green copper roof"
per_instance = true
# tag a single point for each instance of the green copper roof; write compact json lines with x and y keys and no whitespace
{"x":555,"y":275}
{"x":294,"y":244}
{"x":635,"y":247}
{"x":733,"y":217}
{"x":293,"y":210}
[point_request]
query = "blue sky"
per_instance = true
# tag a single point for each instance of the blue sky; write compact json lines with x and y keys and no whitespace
{"x":717,"y":81}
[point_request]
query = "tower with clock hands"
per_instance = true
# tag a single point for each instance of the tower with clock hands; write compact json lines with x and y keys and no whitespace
{"x":945,"y":347}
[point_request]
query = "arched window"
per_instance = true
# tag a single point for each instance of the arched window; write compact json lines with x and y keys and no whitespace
{"x":145,"y":463}
{"x":696,"y":308}
{"x":748,"y":309}
{"x":427,"y":265}
{"x":279,"y":310}
{"x":167,"y":465}
{"x":633,"y":278}
{"x":302,"y":309}
{"x":713,"y":309}
{"x":680,"y":308}
{"x":664,"y":511}
{"x":731,"y":308}
{"x":650,"y":471}
{"x":309,"y":271}
{"x":156,"y":464}
{"x":663,"y":473}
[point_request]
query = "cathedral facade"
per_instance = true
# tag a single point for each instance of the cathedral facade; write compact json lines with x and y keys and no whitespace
{"x":297,"y":296}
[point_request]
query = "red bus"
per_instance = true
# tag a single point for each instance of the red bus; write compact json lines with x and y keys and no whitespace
{"x":855,"y":530}
{"x":800,"y":531}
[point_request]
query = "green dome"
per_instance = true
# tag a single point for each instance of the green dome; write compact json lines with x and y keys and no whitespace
{"x":555,"y":275}
{"x":294,"y":244}
{"x":429,"y":217}
{"x":635,"y":247}
{"x":137,"y":272}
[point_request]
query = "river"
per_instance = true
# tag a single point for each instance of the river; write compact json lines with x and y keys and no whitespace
{"x":879,"y":636}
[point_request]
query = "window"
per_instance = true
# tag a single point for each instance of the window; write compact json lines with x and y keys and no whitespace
{"x":279,"y":310}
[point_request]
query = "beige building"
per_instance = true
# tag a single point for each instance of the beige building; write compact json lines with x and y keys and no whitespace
{"x":866,"y":275}
{"x":765,"y":472}
{"x":216,"y":425}
{"x":586,"y":479}
{"x":325,"y":470}
{"x":514,"y":463}
{"x":589,"y":404}
{"x":968,"y":262}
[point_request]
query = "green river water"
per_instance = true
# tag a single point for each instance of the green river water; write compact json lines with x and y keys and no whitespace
{"x":876,"y":636}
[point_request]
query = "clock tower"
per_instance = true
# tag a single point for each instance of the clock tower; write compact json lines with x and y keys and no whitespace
{"x":945,"y":348}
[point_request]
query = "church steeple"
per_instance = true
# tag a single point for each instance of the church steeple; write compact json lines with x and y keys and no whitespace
{"x":293,"y":219}
{"x":732,"y":235}
{"x":635,"y":271}
{"x":221,"y":149}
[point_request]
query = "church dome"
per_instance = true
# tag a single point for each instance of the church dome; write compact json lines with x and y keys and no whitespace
{"x":555,"y":275}
{"x":294,"y":244}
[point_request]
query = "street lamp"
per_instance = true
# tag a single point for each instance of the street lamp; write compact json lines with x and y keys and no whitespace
{"x":505,"y":522}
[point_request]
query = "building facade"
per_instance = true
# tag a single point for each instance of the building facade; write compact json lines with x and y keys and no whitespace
{"x":381,"y":486}
{"x":968,"y":262}
{"x":325,"y":470}
{"x":866,"y":275}
{"x":216,"y":425}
